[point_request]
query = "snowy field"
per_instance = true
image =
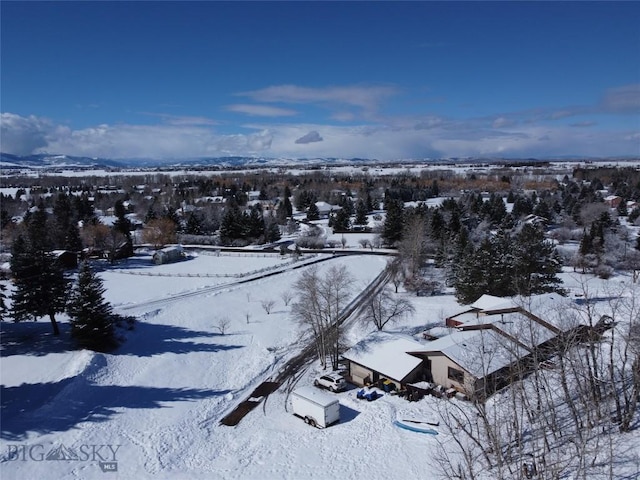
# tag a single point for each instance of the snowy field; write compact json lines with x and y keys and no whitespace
{"x":154,"y":405}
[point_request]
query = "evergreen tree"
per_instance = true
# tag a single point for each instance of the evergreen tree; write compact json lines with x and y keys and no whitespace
{"x":537,"y":263}
{"x":72,"y":240}
{"x":5,"y":218}
{"x":361,"y":213}
{"x":91,"y":317}
{"x":586,"y":244}
{"x":313,"y":213}
{"x":122,"y":224}
{"x":281,"y":213}
{"x":393,"y":222}
{"x":37,"y":229}
{"x":341,"y":221}
{"x":83,"y":208}
{"x":543,"y":210}
{"x":62,"y":219}
{"x":40,"y":285}
{"x":437,"y":225}
{"x":287,"y":205}
{"x":468,"y":279}
{"x":3,"y":305}
{"x":255,"y":222}
{"x":272,"y":230}
{"x":232,"y":225}
{"x":194,"y":225}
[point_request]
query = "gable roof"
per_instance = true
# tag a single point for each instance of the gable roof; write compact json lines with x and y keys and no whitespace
{"x":490,"y":302}
{"x":479,"y":352}
{"x":387,"y":354}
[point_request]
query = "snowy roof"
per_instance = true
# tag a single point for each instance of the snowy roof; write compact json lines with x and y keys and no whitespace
{"x":479,"y":352}
{"x":387,"y":354}
{"x":519,"y":326}
{"x":324,"y":207}
{"x":548,"y":307}
{"x":318,"y":396}
{"x":489,"y":302}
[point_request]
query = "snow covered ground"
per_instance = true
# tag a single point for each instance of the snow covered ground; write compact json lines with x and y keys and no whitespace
{"x":152,"y":408}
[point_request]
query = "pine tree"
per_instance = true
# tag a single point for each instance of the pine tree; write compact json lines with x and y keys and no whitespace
{"x":62,"y":219}
{"x":91,"y":317}
{"x":272,"y":230}
{"x":361,"y":213}
{"x":3,"y":305}
{"x":537,"y":263}
{"x":341,"y":221}
{"x":281,"y":213}
{"x":255,"y":222}
{"x":122,"y":224}
{"x":232,"y":225}
{"x":40,"y":285}
{"x":312,"y":212}
{"x":72,"y":240}
{"x":393,"y":222}
{"x":194,"y":225}
{"x":287,"y":205}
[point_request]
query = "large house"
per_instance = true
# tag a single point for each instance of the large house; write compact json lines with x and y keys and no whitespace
{"x":489,"y":344}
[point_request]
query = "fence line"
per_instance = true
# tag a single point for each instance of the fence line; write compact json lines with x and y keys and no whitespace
{"x":214,"y":275}
{"x":236,"y":254}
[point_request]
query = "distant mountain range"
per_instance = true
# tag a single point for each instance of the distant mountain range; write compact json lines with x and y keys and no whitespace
{"x":47,"y":161}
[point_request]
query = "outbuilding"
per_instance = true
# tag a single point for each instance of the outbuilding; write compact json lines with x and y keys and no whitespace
{"x":168,"y":255}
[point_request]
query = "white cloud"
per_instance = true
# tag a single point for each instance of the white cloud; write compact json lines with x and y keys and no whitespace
{"x":182,"y":119}
{"x":435,"y":138}
{"x":625,"y":99}
{"x":366,"y":98}
{"x":261,"y":110}
{"x":23,"y":135}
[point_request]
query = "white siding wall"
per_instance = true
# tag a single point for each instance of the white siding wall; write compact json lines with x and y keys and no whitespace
{"x":440,"y":370}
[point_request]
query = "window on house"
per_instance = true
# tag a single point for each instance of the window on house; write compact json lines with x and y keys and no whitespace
{"x":456,"y":375}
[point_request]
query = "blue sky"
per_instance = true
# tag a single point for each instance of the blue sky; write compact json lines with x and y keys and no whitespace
{"x":385,"y":80}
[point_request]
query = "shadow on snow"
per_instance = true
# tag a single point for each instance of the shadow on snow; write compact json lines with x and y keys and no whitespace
{"x":34,"y":338}
{"x":149,"y":339}
{"x":145,"y":340}
{"x":44,"y":408}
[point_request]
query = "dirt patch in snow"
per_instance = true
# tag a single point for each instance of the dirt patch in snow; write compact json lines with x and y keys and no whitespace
{"x":262,"y":391}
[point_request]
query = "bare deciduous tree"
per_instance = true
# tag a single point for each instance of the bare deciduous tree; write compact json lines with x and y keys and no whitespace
{"x":222,"y":324}
{"x":365,"y":243}
{"x":268,"y":305}
{"x":159,"y":232}
{"x":396,"y":272}
{"x":286,"y":297}
{"x":321,"y":301}
{"x":383,"y":308}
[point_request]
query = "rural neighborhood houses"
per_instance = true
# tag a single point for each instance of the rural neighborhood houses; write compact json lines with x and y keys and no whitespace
{"x":486,"y":346}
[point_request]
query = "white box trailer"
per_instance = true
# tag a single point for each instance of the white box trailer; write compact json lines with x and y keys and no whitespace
{"x":315,"y":407}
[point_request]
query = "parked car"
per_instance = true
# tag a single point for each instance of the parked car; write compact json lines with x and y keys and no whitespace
{"x":333,"y":381}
